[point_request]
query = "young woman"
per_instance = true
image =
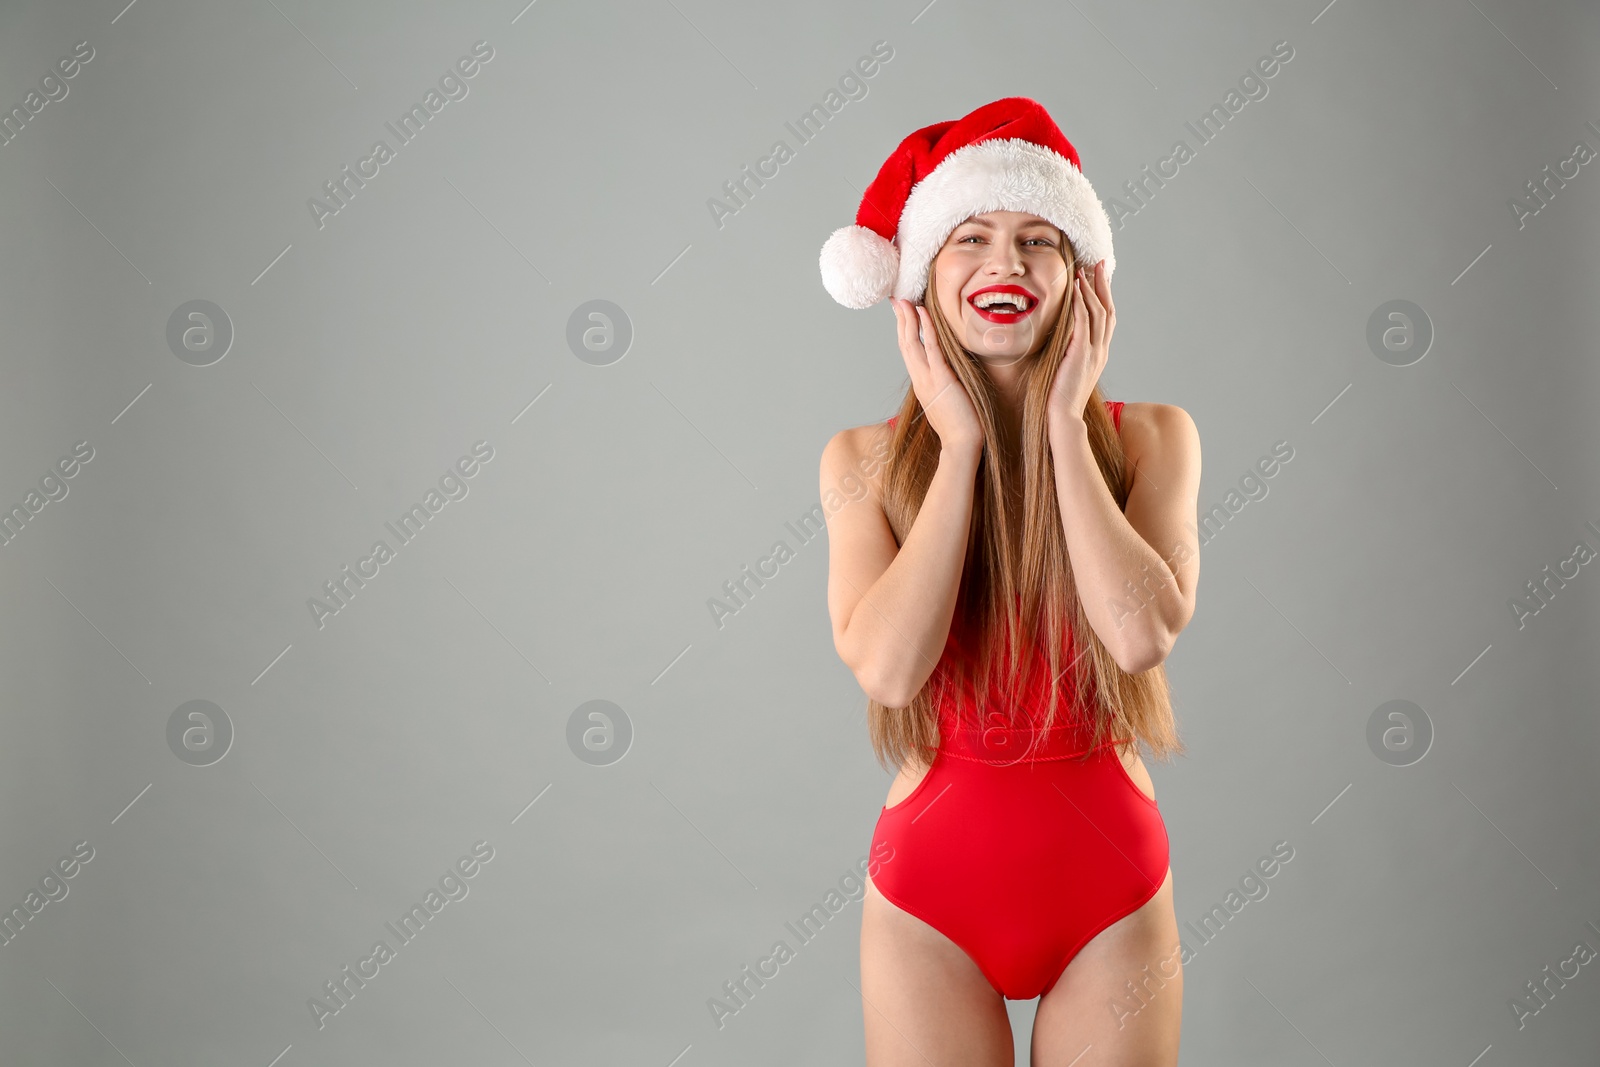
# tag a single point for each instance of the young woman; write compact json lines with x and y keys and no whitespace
{"x":1006,"y":591}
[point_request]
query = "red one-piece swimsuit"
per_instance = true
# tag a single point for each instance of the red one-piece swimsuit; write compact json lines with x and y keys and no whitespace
{"x":1013,"y":845}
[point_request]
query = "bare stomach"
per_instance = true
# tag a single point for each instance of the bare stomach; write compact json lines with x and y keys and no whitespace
{"x":909,"y":776}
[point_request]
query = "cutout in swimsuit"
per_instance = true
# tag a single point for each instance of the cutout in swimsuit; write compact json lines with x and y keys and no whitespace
{"x":1017,"y":850}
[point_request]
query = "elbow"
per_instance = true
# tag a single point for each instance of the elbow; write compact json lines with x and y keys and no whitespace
{"x":885,"y":687}
{"x":897,"y":699}
{"x":1144,"y":657}
{"x":889,"y":692}
{"x":871,"y":677}
{"x":1147,"y":648}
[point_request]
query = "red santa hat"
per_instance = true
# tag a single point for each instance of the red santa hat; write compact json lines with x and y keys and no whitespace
{"x":1005,"y":156}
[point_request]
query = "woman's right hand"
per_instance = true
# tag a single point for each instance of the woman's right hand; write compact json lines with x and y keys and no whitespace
{"x":945,"y":402}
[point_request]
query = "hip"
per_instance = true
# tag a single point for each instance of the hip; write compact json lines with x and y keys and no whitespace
{"x":969,"y":820}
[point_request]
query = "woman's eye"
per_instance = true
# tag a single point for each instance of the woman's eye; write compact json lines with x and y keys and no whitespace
{"x":1041,"y":240}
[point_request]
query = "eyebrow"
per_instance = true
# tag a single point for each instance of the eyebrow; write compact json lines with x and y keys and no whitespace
{"x":986,"y":224}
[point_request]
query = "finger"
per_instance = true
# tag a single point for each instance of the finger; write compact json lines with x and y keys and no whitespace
{"x":910,"y":352}
{"x":1090,"y":297}
{"x":1102,"y":287}
{"x":935,"y":357}
{"x":931,"y":344}
{"x":1096,"y":313}
{"x":1102,"y":290}
{"x":1079,"y":323}
{"x":907,"y":329}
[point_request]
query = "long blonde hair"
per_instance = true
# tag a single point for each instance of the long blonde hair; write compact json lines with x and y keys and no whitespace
{"x":997,"y":571}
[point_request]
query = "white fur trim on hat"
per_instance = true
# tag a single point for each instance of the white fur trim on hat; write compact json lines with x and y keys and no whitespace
{"x":1000,"y":174}
{"x":858,"y":266}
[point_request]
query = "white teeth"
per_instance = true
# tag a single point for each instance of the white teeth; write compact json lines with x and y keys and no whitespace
{"x":984,"y":300}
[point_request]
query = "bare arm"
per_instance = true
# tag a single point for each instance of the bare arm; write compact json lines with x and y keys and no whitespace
{"x":891,"y":608}
{"x":1136,"y":571}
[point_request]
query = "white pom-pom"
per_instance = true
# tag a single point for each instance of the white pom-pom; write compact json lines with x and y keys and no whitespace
{"x":859,"y":267}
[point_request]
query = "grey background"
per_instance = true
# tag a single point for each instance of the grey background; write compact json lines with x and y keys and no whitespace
{"x":432,"y":712}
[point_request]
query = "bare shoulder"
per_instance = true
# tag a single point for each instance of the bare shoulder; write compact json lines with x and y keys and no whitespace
{"x":1163,"y":448}
{"x":853,"y":460}
{"x":861,"y":542}
{"x":1148,"y":428}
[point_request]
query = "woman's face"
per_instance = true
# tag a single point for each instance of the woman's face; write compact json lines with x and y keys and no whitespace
{"x":1003,"y":252}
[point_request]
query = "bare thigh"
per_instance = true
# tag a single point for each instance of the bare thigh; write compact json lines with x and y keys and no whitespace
{"x":924,"y":1002}
{"x":1120,"y":1001}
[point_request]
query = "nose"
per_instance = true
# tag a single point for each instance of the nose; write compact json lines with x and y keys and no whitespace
{"x":1004,"y":259}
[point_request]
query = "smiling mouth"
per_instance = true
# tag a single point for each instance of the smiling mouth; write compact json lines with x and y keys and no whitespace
{"x":1003,"y":306}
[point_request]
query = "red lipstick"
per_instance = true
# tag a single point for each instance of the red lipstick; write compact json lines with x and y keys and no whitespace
{"x":1004,"y":316}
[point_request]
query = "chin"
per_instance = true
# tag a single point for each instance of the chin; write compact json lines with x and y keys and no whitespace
{"x":1020,"y":343}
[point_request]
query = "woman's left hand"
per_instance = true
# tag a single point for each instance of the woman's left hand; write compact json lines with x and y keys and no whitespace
{"x":1094,"y":318}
